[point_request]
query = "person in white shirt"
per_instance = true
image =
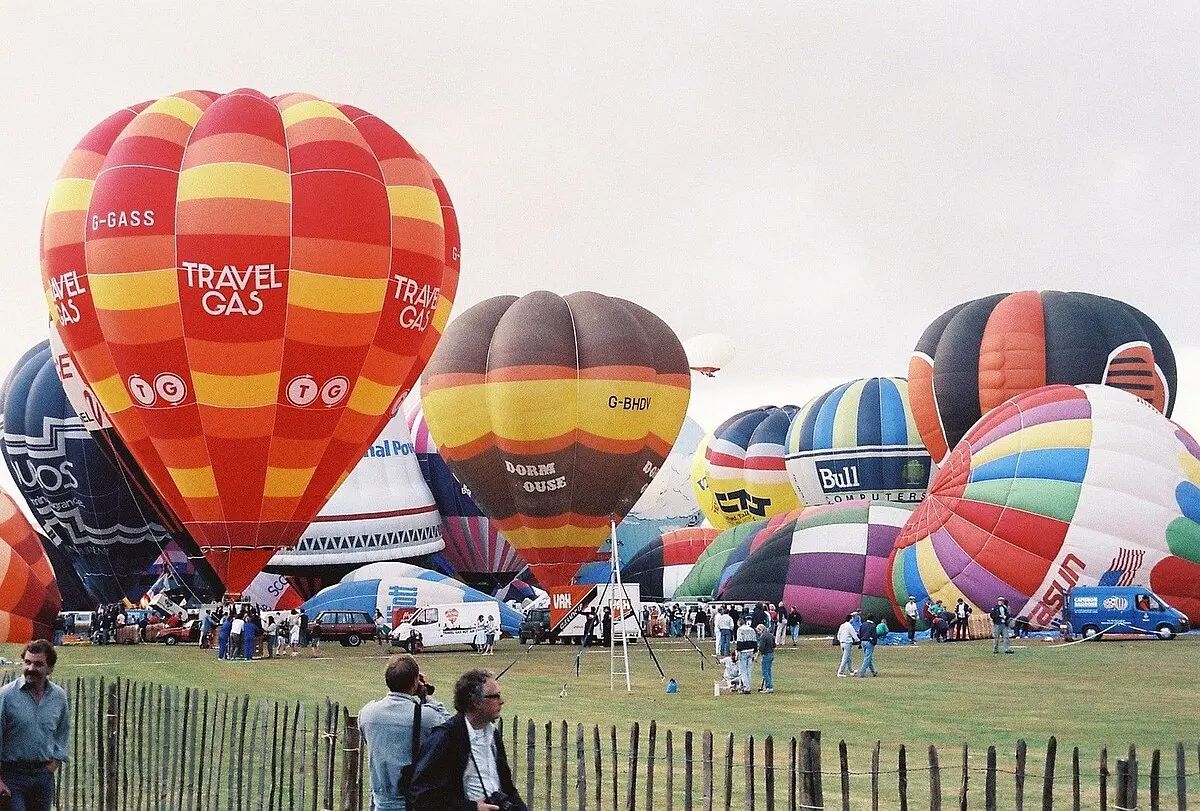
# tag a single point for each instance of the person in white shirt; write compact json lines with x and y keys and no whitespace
{"x":235,"y":637}
{"x":723,"y":625}
{"x":910,"y":616}
{"x":464,"y":765}
{"x":846,"y":637}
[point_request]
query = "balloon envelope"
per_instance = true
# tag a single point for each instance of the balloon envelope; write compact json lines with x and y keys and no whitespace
{"x":84,"y":503}
{"x":702,"y":580}
{"x":247,"y":284}
{"x":826,"y":562}
{"x":556,"y":412}
{"x":1059,"y":486}
{"x":858,"y":441}
{"x":709,"y":352}
{"x":977,"y":355}
{"x":663,"y":565}
{"x":29,"y":598}
{"x":744,"y":468}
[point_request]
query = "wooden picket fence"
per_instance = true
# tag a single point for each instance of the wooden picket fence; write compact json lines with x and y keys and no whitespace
{"x":145,"y":746}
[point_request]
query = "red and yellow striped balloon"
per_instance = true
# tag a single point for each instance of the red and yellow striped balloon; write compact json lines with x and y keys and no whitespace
{"x":556,"y":412}
{"x":248,"y":284}
{"x":29,"y":598}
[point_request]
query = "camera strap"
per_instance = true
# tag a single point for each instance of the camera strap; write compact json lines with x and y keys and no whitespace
{"x":416,"y":734}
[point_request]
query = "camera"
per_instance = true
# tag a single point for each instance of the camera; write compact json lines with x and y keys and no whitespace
{"x":424,"y":688}
{"x":502,"y":801}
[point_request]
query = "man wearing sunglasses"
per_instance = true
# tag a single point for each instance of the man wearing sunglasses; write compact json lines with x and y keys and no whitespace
{"x":464,"y":767}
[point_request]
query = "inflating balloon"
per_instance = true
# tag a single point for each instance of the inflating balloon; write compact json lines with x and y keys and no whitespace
{"x":663,"y":565}
{"x":709,"y":353}
{"x":1059,"y":486}
{"x":556,"y":413}
{"x":29,"y":599}
{"x":744,"y":468}
{"x":479,"y":554}
{"x":383,"y":512}
{"x":247,"y":284}
{"x":977,"y":355}
{"x":702,"y":580}
{"x":858,"y":441}
{"x":826,"y":562}
{"x":84,"y":504}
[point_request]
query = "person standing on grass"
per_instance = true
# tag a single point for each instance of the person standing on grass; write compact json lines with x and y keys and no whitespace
{"x":388,"y":726}
{"x":35,"y":729}
{"x":223,"y":634}
{"x":249,"y":636}
{"x":868,"y":636}
{"x":296,"y":631}
{"x":794,"y":620}
{"x":1000,"y":628}
{"x":766,"y":657}
{"x":269,"y":636}
{"x":746,"y":644}
{"x":846,"y":637}
{"x":235,"y":636}
{"x":465,"y":765}
{"x":910,"y":617}
{"x":723,"y":625}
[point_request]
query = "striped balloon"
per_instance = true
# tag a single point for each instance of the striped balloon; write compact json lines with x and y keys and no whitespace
{"x":858,"y":441}
{"x":1062,"y":485}
{"x":556,"y":412}
{"x":247,"y":284}
{"x":29,"y":598}
{"x":744,"y":468}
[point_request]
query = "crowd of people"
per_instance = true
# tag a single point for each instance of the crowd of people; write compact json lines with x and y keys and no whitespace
{"x":246,"y":633}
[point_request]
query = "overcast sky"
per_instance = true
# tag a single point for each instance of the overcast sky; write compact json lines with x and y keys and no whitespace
{"x":818,"y":181}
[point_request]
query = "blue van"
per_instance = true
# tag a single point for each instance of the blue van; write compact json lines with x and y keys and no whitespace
{"x":1094,"y":610}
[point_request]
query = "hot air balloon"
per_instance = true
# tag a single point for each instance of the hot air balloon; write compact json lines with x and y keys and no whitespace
{"x":387,"y":586}
{"x":826,"y":562}
{"x":480,"y":556}
{"x":744,"y":468}
{"x":556,"y":413}
{"x":709,"y":353}
{"x":858,"y":441}
{"x":383,"y":512}
{"x":702,"y":580}
{"x":29,"y":599}
{"x":977,"y":355}
{"x":248,"y":285}
{"x":1062,"y":485}
{"x":84,"y":504}
{"x":663,"y":565}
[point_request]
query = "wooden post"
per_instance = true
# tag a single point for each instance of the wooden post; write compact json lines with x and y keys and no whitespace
{"x":875,"y":777}
{"x":902,"y":778}
{"x":112,"y":772}
{"x":811,"y":793}
{"x":125,"y":755}
{"x":562,"y":766}
{"x":331,"y":740}
{"x":966,"y":777}
{"x":515,"y":765}
{"x":1075,"y":793}
{"x":549,"y":765}
{"x":844,"y":764}
{"x":1048,"y":780}
{"x":635,"y":736}
{"x":616,"y":767}
{"x":1019,"y":777}
{"x":989,"y":784}
{"x":651,"y":745}
{"x":1180,"y":777}
{"x":748,"y":767}
{"x":351,"y":749}
{"x":1154,"y":766}
{"x":670,"y":792}
{"x":769,"y":772}
{"x":1122,"y":799}
{"x":728,"y":806}
{"x":599,"y":760}
{"x":689,"y":774}
{"x":793,"y":765}
{"x":1132,"y":794}
{"x":935,"y":781}
{"x":706,"y":744}
{"x":530,"y":756}
{"x":1104,"y":779}
{"x":580,"y":769}
{"x":276,"y":743}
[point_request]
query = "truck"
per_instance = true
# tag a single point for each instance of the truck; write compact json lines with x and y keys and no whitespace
{"x":1092,"y":611}
{"x":569,"y":606}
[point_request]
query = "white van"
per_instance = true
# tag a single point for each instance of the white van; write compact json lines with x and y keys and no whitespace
{"x":629,"y":608}
{"x":446,"y":624}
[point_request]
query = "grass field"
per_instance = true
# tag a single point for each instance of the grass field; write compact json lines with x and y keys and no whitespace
{"x":1108,"y":694}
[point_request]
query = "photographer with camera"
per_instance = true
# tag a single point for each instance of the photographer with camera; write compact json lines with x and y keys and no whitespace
{"x":390,"y":726}
{"x":464,"y":767}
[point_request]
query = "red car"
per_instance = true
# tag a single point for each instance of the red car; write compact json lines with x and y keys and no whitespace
{"x":188,"y":632}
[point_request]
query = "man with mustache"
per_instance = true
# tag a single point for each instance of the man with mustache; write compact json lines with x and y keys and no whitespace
{"x":34,"y":731}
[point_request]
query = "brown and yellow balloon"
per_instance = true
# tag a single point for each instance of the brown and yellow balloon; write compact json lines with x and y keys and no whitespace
{"x":556,"y":412}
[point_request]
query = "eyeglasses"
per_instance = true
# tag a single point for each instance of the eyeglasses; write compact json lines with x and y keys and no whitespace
{"x":491,"y":695}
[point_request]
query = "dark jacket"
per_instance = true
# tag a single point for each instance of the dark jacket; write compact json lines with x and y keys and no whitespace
{"x":867,"y":633}
{"x":1000,"y":614}
{"x":437,"y":780}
